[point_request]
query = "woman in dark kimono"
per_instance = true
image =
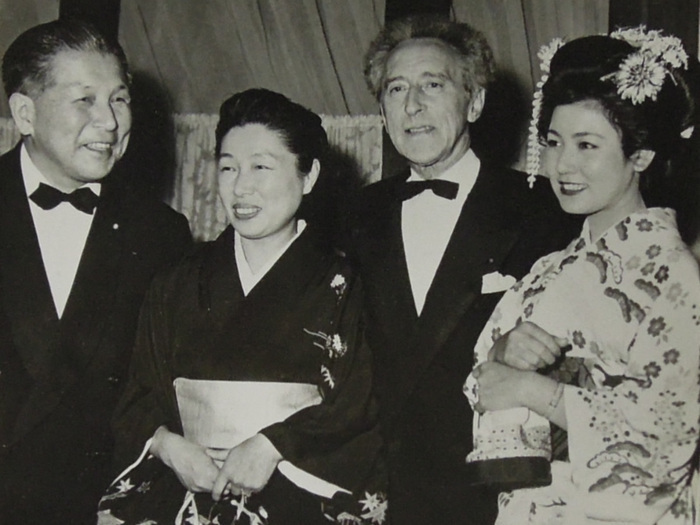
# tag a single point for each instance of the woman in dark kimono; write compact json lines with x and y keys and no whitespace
{"x":249,"y":399}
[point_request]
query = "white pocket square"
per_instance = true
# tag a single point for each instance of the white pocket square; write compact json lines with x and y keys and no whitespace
{"x":496,"y":282}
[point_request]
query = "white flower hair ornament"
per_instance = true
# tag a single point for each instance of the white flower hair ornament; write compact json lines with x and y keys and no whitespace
{"x":545,"y":54}
{"x":640,"y":77}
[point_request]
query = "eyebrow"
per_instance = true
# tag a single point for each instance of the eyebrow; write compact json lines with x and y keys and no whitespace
{"x":578,"y":134}
{"x":425,"y":74}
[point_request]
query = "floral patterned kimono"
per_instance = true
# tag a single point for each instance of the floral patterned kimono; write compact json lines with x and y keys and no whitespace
{"x":629,"y":304}
{"x":292,"y":359}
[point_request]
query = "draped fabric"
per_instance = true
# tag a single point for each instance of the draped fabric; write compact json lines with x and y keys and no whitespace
{"x":310,"y":50}
{"x":516,"y":29}
{"x":15,"y":17}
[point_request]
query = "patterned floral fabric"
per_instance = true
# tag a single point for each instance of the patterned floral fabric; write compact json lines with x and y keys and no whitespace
{"x":629,"y":304}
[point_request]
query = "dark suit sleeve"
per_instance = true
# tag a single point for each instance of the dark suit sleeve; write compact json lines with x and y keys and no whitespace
{"x":148,"y":401}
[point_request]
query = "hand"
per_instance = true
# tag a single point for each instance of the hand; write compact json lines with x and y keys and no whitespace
{"x":499,"y":386}
{"x":248,"y":467}
{"x":527,"y":347}
{"x":190,"y":462}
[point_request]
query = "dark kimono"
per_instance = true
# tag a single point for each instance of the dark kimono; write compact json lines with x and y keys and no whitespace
{"x":302,"y":323}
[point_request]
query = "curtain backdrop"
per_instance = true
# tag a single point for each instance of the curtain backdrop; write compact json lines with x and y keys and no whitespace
{"x":516,"y":29}
{"x":204,"y":51}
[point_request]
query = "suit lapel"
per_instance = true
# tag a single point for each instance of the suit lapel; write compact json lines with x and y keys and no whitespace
{"x":485,"y":232}
{"x":27,"y":297}
{"x":96,"y":280}
{"x":389,"y":272}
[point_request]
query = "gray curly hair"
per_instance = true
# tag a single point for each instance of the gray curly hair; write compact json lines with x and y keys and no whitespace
{"x":475,"y":55}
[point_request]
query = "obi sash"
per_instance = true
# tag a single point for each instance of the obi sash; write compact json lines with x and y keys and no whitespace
{"x":223,"y":414}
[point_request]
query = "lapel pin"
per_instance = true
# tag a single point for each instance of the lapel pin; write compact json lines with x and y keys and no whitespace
{"x":115,"y":226}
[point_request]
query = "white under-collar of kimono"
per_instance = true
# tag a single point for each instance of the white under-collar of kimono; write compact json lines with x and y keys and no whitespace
{"x":249,"y":278}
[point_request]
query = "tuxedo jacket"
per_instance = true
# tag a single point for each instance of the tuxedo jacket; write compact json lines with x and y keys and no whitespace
{"x":60,"y":378}
{"x":421,"y":362}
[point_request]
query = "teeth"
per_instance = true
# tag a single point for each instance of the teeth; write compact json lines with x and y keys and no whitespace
{"x":572,"y":186}
{"x":421,"y":129}
{"x":99,"y":146}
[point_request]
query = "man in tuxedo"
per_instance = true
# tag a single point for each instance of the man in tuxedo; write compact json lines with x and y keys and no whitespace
{"x":78,"y":249}
{"x":437,"y":246}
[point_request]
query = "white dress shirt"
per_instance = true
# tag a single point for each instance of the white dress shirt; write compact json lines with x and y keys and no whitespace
{"x":427,"y":223}
{"x":62,"y":232}
{"x":249,"y":278}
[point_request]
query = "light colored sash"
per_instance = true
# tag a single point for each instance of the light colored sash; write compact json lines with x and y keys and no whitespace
{"x":222,"y":414}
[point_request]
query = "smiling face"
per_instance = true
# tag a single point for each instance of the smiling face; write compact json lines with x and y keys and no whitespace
{"x":260,"y":185}
{"x":78,"y":126}
{"x":426,"y":108}
{"x":587,"y":168}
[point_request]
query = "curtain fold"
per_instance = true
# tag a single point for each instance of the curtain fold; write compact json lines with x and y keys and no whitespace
{"x":310,"y":50}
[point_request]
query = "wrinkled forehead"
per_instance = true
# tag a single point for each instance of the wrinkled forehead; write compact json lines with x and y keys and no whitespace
{"x":417,"y":56}
{"x":68,"y":62}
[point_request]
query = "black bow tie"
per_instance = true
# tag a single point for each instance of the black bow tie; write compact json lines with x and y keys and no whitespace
{"x":441,"y":188}
{"x":48,"y":197}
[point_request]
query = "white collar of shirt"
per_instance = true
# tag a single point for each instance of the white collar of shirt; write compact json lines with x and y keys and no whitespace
{"x":246,"y":275}
{"x":61,"y":231}
{"x":427,"y":223}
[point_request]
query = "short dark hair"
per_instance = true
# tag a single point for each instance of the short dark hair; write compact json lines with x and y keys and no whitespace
{"x":26,"y":65}
{"x":300,"y":128}
{"x":472,"y":48}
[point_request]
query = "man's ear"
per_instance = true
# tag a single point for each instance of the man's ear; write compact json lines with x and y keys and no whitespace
{"x":641,"y":159}
{"x":381,"y":112}
{"x":23,"y":113}
{"x":311,"y":177}
{"x":476,"y":105}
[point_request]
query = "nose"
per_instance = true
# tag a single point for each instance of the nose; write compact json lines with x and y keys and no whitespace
{"x":565,"y":161}
{"x":104,"y":116}
{"x":244,"y":183}
{"x":414,"y":103}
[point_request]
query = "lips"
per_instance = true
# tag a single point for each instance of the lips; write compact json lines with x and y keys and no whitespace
{"x":99,"y":147}
{"x":415,"y":130}
{"x":245,"y":211}
{"x":571,"y":188}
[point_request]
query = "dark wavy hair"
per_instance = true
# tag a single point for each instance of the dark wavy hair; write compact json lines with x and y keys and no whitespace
{"x":577,"y":74}
{"x":26,"y":65}
{"x":475,"y":55}
{"x":300,"y":128}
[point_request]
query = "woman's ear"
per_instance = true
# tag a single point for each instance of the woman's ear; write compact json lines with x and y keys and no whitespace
{"x":22,"y":109}
{"x":641,"y":159}
{"x":311,"y":177}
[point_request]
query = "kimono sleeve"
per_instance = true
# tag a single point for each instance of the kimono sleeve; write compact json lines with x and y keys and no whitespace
{"x":635,"y":438}
{"x":148,"y":400}
{"x":318,"y":436}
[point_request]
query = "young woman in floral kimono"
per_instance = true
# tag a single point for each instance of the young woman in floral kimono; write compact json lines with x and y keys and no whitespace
{"x":602,"y":339}
{"x":249,"y":395}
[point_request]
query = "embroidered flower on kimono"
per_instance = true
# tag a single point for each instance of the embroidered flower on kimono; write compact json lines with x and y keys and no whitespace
{"x":652,"y":369}
{"x":528,"y":310}
{"x":327,"y":377}
{"x":662,"y":274}
{"x":339,"y":284}
{"x":332,"y":344}
{"x":374,"y":507}
{"x":644,"y":225}
{"x":648,"y":268}
{"x":671,"y":357}
{"x":653,"y":251}
{"x":633,"y":263}
{"x":125,"y":485}
{"x":578,"y":339}
{"x":656,"y":326}
{"x":674,"y":291}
